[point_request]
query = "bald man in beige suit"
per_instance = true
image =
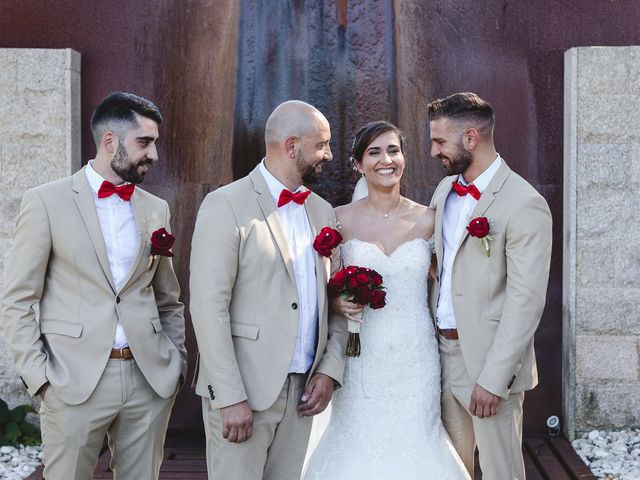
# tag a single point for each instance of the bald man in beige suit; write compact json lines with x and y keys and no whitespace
{"x":107,"y":350}
{"x":490,"y":290}
{"x":270,"y":354}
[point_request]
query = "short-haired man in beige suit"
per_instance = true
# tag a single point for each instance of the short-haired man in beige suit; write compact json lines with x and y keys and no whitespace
{"x":270,"y":354}
{"x":106,"y":352}
{"x":490,"y":288}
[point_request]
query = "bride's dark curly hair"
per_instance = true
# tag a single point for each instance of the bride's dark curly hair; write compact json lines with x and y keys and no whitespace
{"x":368,"y":133}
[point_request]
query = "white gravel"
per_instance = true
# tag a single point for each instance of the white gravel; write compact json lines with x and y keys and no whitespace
{"x":18,"y":463}
{"x":611,"y":455}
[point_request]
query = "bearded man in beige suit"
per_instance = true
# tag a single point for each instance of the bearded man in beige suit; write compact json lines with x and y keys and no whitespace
{"x":490,"y":287}
{"x":106,"y":352}
{"x":270,"y":354}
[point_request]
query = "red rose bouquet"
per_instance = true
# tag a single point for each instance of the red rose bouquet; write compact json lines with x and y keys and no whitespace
{"x":365,"y":286}
{"x":479,"y":227}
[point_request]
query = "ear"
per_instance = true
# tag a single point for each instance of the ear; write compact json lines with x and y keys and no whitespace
{"x":290,"y":146}
{"x":109,"y":142}
{"x":470,"y":139}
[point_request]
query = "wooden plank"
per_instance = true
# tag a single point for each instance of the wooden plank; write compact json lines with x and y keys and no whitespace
{"x":572,"y":462}
{"x":545,"y":459}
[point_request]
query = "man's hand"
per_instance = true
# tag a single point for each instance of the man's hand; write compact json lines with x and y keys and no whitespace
{"x":237,"y":422}
{"x":42,"y":391}
{"x":316,"y":396}
{"x":483,"y":402}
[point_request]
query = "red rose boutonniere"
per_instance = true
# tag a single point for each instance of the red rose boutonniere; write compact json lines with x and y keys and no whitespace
{"x":326,"y":241}
{"x":161,"y":243}
{"x":479,"y":228}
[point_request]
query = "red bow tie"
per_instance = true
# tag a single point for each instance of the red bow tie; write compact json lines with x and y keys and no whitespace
{"x":286,"y":196}
{"x":124,"y":191}
{"x":462,"y":190}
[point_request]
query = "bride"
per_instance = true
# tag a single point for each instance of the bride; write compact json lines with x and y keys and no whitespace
{"x":385,"y":421}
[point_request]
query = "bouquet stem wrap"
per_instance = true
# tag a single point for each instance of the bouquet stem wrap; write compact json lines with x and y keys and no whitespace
{"x":353,"y":343}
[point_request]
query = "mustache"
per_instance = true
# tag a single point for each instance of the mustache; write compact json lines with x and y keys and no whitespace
{"x":144,"y":161}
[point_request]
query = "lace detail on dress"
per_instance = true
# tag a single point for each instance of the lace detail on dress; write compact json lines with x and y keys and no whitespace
{"x":385,"y":421}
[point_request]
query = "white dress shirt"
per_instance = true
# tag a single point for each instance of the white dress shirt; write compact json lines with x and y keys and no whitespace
{"x":295,"y":224}
{"x":121,"y":237}
{"x":456,"y":217}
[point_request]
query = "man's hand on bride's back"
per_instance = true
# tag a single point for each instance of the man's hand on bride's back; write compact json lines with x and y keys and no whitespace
{"x":237,"y":422}
{"x":317,"y":395}
{"x":344,"y":306}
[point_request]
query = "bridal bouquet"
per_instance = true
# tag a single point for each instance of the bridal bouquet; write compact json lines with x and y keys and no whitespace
{"x":365,"y":286}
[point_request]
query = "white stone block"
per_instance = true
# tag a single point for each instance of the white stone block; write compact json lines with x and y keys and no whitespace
{"x":606,"y":357}
{"x":603,"y":71}
{"x":609,"y":119}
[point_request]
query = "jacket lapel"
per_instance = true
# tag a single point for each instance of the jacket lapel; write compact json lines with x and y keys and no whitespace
{"x":440,"y":204}
{"x":87,"y":208}
{"x":268,"y":207}
{"x":140,"y":215}
{"x":488,"y":196}
{"x":317,"y":220}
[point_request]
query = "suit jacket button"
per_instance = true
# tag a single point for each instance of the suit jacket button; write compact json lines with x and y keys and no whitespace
{"x":117,"y":299}
{"x":294,"y":306}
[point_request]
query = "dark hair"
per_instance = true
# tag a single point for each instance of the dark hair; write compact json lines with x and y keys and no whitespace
{"x":463,"y":107}
{"x":118,"y":110}
{"x":368,"y":133}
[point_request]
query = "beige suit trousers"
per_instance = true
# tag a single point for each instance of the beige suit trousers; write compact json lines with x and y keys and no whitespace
{"x":499,"y":438}
{"x":125,"y":408}
{"x":276,"y":448}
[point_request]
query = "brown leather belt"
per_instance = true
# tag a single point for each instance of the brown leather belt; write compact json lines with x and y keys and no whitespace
{"x":449,"y":333}
{"x":121,"y":353}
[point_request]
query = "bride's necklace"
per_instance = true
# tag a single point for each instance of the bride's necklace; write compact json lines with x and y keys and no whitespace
{"x":385,"y":214}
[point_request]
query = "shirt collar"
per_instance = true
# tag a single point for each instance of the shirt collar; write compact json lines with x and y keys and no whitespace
{"x":95,"y":179}
{"x":275,"y":186}
{"x":482,"y":182}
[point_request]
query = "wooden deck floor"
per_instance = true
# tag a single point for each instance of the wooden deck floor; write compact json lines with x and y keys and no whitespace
{"x":545,"y":459}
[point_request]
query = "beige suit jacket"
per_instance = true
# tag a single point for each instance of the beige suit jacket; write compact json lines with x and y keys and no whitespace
{"x":59,"y":263}
{"x":244,"y":299}
{"x":498,"y":300}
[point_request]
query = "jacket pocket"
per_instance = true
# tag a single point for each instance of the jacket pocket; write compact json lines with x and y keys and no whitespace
{"x":493,"y":318}
{"x":61,"y":327}
{"x":156,"y":324}
{"x":244,"y":330}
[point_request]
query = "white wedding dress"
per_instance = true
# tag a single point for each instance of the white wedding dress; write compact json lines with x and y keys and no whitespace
{"x":385,"y":420}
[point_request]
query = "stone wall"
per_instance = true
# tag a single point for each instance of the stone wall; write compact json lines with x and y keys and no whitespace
{"x":39,"y":142}
{"x":602,"y":239}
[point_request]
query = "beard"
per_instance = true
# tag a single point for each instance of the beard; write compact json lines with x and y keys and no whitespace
{"x":125,"y":168}
{"x":458,"y":163}
{"x":307,"y":172}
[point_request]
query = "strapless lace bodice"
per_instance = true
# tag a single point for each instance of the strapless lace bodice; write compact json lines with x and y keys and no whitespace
{"x":385,"y":421}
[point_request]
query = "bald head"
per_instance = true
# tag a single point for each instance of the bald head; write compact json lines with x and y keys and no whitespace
{"x":293,"y":118}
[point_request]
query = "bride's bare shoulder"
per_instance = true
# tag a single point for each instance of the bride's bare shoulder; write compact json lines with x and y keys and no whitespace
{"x":423,"y":216}
{"x":348,"y":211}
